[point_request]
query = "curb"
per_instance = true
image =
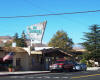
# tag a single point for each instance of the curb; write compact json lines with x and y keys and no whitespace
{"x":21,"y":73}
{"x":93,"y":68}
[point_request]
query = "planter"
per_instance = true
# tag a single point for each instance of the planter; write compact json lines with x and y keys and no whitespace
{"x":10,"y":69}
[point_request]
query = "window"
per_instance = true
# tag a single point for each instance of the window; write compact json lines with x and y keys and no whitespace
{"x":18,"y":60}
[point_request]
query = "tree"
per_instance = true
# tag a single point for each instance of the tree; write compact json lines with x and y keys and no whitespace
{"x":23,"y":40}
{"x":92,"y":43}
{"x":20,"y":42}
{"x":23,"y":36}
{"x":16,"y":36}
{"x":8,"y":44}
{"x":61,"y":40}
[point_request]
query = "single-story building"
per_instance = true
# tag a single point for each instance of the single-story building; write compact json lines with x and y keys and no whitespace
{"x":30,"y":60}
{"x":20,"y":58}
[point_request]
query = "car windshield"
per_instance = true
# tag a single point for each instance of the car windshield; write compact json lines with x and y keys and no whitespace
{"x":70,"y":62}
{"x":59,"y":61}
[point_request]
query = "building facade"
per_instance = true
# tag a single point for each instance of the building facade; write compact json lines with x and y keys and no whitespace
{"x":30,"y":60}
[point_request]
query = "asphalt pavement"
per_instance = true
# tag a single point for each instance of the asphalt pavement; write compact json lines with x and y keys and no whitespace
{"x":81,"y":75}
{"x":38,"y":72}
{"x":90,"y":74}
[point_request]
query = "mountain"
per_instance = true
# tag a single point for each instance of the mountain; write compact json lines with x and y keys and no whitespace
{"x":78,"y":47}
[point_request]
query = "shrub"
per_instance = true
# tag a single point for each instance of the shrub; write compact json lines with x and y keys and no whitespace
{"x":10,"y":66}
{"x":83,"y":61}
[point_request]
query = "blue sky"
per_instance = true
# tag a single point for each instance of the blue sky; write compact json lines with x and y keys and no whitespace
{"x":74,"y":24}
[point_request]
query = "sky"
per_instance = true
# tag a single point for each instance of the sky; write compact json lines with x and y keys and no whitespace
{"x":73,"y":24}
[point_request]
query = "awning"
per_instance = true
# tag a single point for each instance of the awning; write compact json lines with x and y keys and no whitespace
{"x":36,"y":52}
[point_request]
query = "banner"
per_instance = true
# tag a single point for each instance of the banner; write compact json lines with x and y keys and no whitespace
{"x":36,"y":31}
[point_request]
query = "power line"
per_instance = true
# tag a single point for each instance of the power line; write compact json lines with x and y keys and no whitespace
{"x":37,"y":15}
{"x":43,"y":9}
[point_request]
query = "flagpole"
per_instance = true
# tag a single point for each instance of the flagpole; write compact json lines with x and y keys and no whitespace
{"x":31,"y":42}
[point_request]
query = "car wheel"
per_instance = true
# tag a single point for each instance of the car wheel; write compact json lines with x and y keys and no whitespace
{"x":53,"y":71}
{"x":84,"y":69}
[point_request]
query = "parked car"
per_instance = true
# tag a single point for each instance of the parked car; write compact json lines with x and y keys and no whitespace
{"x":77,"y":67}
{"x":80,"y":67}
{"x":62,"y":65}
{"x":57,"y":66}
{"x":83,"y":67}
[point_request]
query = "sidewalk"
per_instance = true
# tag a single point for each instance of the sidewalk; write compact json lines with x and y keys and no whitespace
{"x":93,"y":68}
{"x":22,"y":73}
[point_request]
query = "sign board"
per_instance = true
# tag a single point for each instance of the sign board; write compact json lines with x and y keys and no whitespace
{"x":36,"y":31}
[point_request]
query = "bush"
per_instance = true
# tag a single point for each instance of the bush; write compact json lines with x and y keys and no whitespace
{"x":10,"y":66}
{"x":83,"y":61}
{"x":89,"y":64}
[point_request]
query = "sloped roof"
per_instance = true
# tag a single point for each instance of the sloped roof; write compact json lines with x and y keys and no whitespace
{"x":55,"y":51}
{"x":14,"y":49}
{"x":40,"y":45}
{"x":5,"y":37}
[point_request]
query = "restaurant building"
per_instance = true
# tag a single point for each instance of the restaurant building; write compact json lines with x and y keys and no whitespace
{"x":23,"y":59}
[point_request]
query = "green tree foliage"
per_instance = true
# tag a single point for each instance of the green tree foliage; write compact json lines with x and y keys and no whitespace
{"x":8,"y":44}
{"x":23,"y":40}
{"x":23,"y":36}
{"x":20,"y":42}
{"x":83,"y":61}
{"x":92,"y":43}
{"x":61,"y":40}
{"x":16,"y":36}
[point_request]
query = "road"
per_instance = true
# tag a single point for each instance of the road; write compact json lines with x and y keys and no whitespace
{"x":84,"y":75}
